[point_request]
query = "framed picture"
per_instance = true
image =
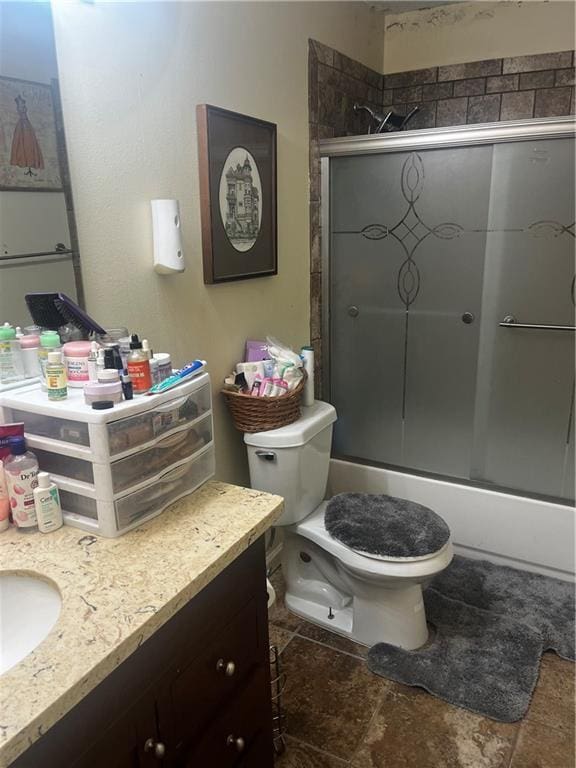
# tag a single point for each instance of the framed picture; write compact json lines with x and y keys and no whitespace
{"x":237,"y":161}
{"x":28,"y":146}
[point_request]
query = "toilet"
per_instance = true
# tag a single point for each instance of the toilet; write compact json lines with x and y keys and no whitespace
{"x":365,"y":597}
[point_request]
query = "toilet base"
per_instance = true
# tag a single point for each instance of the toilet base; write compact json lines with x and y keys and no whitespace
{"x":321,"y":591}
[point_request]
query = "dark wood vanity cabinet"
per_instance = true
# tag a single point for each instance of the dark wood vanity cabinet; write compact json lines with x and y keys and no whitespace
{"x":195,"y":695}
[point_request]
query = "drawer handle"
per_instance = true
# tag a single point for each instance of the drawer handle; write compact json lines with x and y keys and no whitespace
{"x":171,"y":440}
{"x":156,"y":747}
{"x":171,"y":405}
{"x":235,"y":741}
{"x":228,"y":667}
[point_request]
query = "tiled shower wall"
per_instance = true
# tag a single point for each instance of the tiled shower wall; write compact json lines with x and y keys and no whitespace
{"x":335,"y":84}
{"x":477,"y":92}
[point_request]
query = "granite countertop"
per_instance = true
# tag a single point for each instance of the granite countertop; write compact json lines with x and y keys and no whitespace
{"x":115,"y":594}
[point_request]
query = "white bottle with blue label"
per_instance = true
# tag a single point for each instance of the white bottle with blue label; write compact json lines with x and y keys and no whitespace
{"x":47,"y":504}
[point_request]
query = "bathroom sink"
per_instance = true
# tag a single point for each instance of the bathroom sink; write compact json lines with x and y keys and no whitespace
{"x":29,"y":608}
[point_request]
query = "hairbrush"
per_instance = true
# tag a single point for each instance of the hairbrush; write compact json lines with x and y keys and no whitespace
{"x":53,"y":310}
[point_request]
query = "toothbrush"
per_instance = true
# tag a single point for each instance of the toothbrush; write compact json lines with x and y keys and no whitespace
{"x":184,"y":374}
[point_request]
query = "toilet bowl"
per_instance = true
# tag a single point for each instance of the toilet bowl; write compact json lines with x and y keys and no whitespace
{"x":367,"y":598}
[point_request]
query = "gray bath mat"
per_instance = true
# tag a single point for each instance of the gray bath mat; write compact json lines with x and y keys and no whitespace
{"x":477,"y":660}
{"x":545,"y":604}
{"x":385,"y":526}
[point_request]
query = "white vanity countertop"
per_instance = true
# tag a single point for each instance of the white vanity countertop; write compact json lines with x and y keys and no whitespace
{"x":115,"y":594}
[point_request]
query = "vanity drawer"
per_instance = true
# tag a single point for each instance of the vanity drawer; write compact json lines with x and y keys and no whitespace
{"x":52,"y":427}
{"x":170,"y":450}
{"x":72,"y":428}
{"x":170,"y":486}
{"x":111,"y":518}
{"x":207,"y":684}
{"x":134,"y":469}
{"x":135,"y":431}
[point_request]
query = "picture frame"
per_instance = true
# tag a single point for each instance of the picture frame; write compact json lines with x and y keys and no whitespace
{"x":237,"y":165}
{"x":29,"y":154}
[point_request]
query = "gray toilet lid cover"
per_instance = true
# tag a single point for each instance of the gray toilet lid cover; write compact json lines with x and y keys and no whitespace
{"x":385,"y":526}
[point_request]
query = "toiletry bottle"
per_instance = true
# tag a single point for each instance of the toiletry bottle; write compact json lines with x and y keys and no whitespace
{"x":164,"y":365}
{"x":99,"y":360}
{"x":49,"y":342}
{"x":108,"y":376}
{"x":56,"y":382}
{"x":93,"y":362}
{"x":11,"y":365}
{"x":21,"y":471}
{"x":154,"y":370}
{"x":307,"y":355}
{"x":47,"y":504}
{"x":29,"y":344}
{"x":75,"y":356}
{"x":127,"y":389}
{"x":146,"y":349}
{"x":138,"y":367}
{"x":4,"y":500}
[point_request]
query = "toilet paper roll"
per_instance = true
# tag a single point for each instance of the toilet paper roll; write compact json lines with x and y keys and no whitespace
{"x":271,"y":593}
{"x":168,"y":254}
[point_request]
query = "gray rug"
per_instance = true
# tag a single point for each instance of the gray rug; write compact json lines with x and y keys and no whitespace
{"x":543,"y":603}
{"x":385,"y":526}
{"x":492,"y":625}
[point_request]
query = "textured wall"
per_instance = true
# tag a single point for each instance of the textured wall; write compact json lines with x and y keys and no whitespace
{"x":452,"y":34}
{"x":131,"y":75}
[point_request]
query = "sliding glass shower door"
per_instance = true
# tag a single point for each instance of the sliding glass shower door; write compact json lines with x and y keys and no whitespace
{"x":437,"y":258}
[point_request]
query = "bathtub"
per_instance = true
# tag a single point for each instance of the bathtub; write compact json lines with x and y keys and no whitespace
{"x":523,"y":533}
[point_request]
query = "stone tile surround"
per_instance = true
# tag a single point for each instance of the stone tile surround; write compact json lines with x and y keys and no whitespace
{"x":515,"y":88}
{"x":485,"y":91}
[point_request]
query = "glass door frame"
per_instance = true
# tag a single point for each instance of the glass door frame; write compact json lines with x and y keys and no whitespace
{"x":403,"y":141}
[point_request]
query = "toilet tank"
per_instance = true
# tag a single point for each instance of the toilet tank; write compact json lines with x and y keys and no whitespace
{"x":293,"y":461}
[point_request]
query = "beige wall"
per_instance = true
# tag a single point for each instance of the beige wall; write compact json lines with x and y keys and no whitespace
{"x":452,"y":34}
{"x":131,"y":75}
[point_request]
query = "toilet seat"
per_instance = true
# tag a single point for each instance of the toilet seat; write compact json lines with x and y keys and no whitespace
{"x":314,"y":529}
{"x":384,"y":526}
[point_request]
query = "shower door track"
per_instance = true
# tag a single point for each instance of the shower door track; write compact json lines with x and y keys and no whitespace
{"x":402,"y":141}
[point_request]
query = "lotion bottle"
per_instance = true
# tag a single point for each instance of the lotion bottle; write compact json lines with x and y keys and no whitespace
{"x":47,"y":504}
{"x":21,"y":471}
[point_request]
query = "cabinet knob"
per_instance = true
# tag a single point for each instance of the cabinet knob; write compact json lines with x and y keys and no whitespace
{"x":156,"y":747}
{"x":236,"y":741}
{"x":228,"y":667}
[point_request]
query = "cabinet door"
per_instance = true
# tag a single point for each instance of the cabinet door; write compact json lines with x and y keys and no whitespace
{"x":240,"y":735}
{"x":131,"y":742}
{"x":213,"y":678}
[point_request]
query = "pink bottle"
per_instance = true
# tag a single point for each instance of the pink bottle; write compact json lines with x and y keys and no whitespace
{"x":21,"y":472}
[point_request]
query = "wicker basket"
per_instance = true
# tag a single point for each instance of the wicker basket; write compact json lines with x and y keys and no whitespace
{"x":260,"y":414}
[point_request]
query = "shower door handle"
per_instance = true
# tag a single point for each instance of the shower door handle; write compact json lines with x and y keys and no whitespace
{"x":510,"y":322}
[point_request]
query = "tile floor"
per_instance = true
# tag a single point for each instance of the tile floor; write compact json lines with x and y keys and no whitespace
{"x":340,"y":714}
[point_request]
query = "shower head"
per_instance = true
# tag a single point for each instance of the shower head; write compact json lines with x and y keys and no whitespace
{"x":388,"y":122}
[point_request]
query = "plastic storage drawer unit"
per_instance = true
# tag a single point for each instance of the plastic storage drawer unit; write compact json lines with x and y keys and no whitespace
{"x":119,"y":467}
